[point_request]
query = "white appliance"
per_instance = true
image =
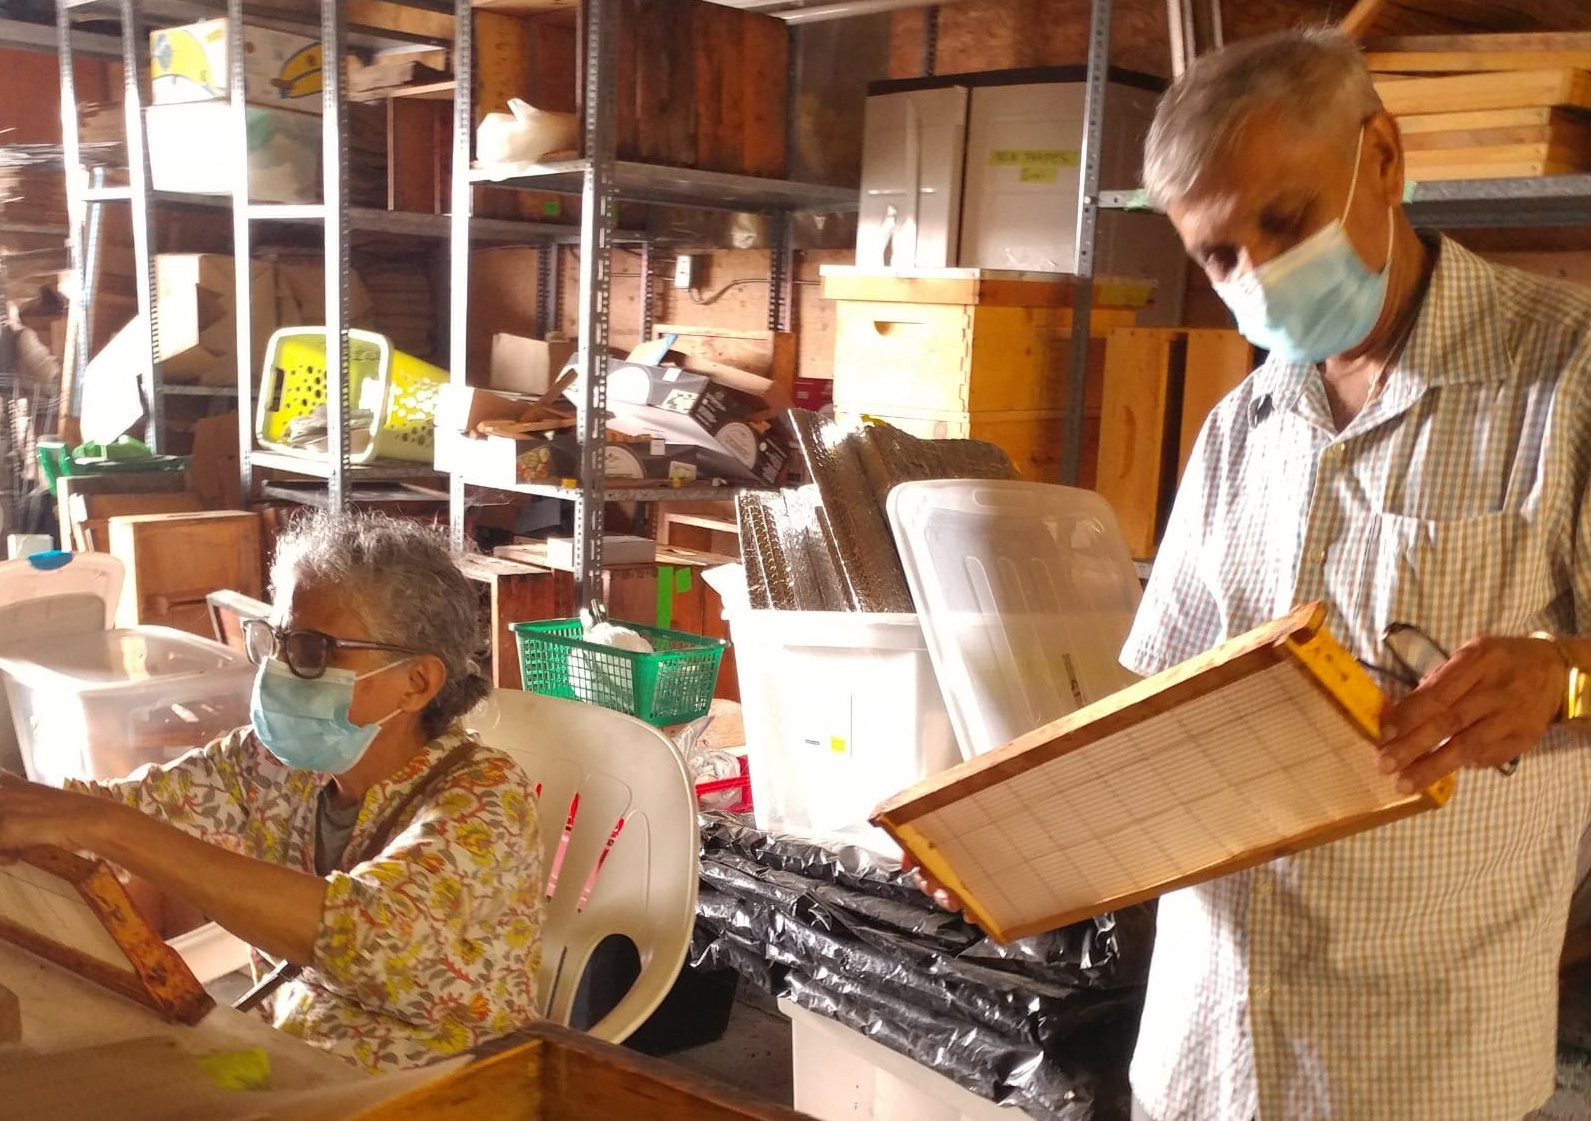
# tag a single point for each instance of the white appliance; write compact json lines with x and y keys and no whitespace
{"x":998,"y":166}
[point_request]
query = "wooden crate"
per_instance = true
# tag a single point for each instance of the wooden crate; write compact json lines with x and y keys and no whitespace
{"x":894,"y":357}
{"x":1160,"y":385}
{"x":561,"y":1074}
{"x":174,"y":561}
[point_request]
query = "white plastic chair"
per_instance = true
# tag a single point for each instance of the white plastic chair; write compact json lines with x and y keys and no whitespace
{"x":625,"y":862}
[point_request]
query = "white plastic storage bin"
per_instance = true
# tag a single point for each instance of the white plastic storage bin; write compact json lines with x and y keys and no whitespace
{"x":842,"y":1075}
{"x":102,"y":704}
{"x":842,"y":711}
{"x":1027,"y":592}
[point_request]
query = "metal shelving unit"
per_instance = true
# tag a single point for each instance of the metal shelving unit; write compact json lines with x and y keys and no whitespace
{"x":334,"y":215}
{"x":602,"y":181}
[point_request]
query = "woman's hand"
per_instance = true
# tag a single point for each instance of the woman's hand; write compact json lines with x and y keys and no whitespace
{"x":33,"y":814}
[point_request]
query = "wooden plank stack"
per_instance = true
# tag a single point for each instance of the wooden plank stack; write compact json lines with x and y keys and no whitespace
{"x":1488,"y":106}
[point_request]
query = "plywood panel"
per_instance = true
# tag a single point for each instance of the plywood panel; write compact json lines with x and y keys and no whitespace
{"x":1217,"y":362}
{"x":1137,"y":421}
{"x":1512,"y":90}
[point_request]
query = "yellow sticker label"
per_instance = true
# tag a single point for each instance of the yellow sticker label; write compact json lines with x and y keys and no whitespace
{"x":838,"y":745}
{"x":1039,"y":175}
{"x":1035,"y":157}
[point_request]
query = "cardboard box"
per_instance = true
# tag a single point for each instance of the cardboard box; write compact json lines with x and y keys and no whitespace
{"x":504,"y":461}
{"x":734,"y":448}
{"x":192,"y":63}
{"x":617,"y":549}
{"x":522,"y":365}
{"x":299,"y":293}
{"x":190,"y":150}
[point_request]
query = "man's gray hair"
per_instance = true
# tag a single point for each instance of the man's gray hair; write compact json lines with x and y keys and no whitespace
{"x":1315,"y":79}
{"x":403,"y":582}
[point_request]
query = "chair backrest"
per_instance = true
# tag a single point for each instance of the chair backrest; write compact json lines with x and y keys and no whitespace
{"x":620,"y":844}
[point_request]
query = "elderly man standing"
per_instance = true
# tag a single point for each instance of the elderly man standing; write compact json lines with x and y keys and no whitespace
{"x":1415,"y":453}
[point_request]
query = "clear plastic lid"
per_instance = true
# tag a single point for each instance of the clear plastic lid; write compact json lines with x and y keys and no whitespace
{"x":1026,"y":592}
{"x":120,"y":658}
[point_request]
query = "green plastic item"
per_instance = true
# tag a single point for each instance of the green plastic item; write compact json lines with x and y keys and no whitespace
{"x":123,"y":455}
{"x":672,"y":685}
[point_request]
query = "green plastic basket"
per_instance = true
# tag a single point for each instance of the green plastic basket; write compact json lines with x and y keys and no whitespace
{"x":672,"y":685}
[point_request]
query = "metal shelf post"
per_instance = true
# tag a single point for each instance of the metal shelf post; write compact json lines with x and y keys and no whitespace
{"x":1087,"y":230}
{"x":599,"y":205}
{"x":242,"y":271}
{"x":334,"y":157}
{"x":459,"y":263}
{"x":134,"y":69}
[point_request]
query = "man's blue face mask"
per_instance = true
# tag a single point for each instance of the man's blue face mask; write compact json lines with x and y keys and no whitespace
{"x":305,"y":724}
{"x":1316,"y":300}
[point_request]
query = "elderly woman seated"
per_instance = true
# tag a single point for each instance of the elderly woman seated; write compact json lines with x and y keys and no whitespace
{"x":355,"y":832}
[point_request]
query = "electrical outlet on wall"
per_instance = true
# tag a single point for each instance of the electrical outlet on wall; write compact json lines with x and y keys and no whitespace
{"x":687,"y":271}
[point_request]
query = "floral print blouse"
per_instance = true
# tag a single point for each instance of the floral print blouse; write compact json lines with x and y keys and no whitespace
{"x":426,"y":950}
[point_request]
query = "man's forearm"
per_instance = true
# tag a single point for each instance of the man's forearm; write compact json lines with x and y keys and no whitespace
{"x":274,"y":908}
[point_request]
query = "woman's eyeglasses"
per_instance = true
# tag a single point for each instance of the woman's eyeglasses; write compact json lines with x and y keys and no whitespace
{"x":305,"y":652}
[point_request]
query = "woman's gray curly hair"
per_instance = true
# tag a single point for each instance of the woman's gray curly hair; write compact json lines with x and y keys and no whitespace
{"x":404,"y":583}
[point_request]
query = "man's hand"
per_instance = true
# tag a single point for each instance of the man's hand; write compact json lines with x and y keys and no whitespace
{"x":928,"y":885}
{"x":1489,"y":703}
{"x":33,"y":814}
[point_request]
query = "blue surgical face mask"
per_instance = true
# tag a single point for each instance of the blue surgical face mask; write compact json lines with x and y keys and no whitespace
{"x":1316,"y":300}
{"x":304,"y":722}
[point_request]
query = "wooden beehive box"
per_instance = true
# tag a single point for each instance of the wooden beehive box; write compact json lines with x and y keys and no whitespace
{"x":972,"y":354}
{"x":174,"y":561}
{"x":560,"y":1075}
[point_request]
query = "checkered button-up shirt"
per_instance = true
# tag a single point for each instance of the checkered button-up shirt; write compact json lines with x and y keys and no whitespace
{"x":1407,"y":973}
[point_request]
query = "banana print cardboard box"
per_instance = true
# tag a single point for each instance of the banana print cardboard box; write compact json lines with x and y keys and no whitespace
{"x":191,"y":63}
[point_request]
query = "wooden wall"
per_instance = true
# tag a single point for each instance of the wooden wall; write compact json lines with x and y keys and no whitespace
{"x":735,"y":291}
{"x":1003,"y":34}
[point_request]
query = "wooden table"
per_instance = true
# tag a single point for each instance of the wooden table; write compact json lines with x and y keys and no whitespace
{"x":108,"y":1050}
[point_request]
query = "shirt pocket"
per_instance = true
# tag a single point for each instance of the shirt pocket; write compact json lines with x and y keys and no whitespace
{"x":1461,"y":578}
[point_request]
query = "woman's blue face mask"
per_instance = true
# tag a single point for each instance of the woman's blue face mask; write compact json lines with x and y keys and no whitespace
{"x":1317,"y":300}
{"x":304,"y":722}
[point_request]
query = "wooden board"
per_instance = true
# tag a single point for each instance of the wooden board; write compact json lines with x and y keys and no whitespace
{"x":1140,"y":420}
{"x":137,"y":482}
{"x":978,"y":286}
{"x":1561,"y":129}
{"x":1509,"y":90}
{"x":74,"y":912}
{"x":91,"y":513}
{"x":1259,"y":748}
{"x":722,"y":87}
{"x":1217,"y":362}
{"x":10,"y":1017}
{"x":1465,"y":62}
{"x":768,"y":354}
{"x":555,"y":1074}
{"x":1510,"y":161}
{"x":228,"y":610}
{"x":515,"y":593}
{"x":658,"y":45}
{"x":174,"y":561}
{"x":1491,"y":41}
{"x":630,"y":590}
{"x":1415,"y":124}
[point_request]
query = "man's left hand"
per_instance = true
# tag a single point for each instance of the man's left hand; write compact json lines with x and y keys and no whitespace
{"x":1492,"y":701}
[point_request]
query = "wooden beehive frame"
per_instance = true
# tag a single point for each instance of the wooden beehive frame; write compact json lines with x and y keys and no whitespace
{"x":1016,"y":844}
{"x":155,"y":975}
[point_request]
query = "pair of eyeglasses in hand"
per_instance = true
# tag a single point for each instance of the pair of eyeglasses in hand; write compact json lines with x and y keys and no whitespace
{"x":1415,"y":655}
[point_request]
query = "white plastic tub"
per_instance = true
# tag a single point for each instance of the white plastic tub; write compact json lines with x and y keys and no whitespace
{"x":842,"y":711}
{"x":99,"y":705}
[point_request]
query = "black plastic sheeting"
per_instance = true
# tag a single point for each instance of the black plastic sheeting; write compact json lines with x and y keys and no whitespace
{"x":1046,"y":1024}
